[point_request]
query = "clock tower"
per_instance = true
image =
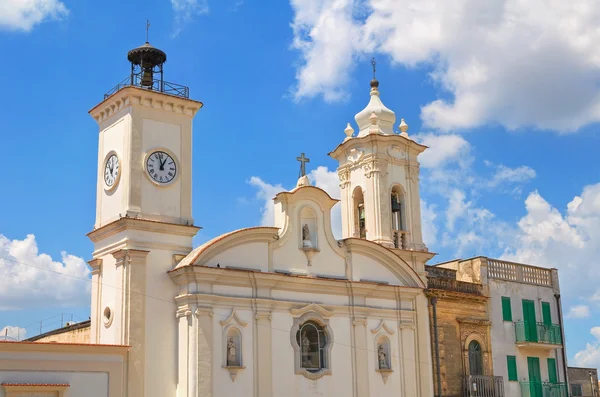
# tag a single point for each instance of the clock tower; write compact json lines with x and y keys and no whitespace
{"x":144,"y":222}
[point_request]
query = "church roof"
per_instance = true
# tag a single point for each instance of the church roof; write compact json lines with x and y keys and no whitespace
{"x":191,"y":258}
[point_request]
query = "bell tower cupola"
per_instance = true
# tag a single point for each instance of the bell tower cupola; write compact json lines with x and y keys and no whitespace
{"x":379,"y":178}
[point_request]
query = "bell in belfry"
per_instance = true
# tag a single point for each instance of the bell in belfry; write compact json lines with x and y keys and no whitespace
{"x":395,"y":203}
{"x":147,"y":78}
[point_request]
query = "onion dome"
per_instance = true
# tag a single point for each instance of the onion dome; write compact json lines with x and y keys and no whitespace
{"x":385,"y":117}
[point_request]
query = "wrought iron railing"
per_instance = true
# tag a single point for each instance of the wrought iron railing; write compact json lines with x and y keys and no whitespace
{"x":158,"y":85}
{"x":537,"y":332}
{"x":483,"y":386}
{"x":543,"y":389}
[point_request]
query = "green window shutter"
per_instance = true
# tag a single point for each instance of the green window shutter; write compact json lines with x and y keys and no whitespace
{"x":546,"y":313}
{"x":552,"y":371}
{"x":506,"y":310}
{"x":511,"y":362}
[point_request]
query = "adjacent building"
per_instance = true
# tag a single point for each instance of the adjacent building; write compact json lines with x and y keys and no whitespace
{"x":583,"y":382}
{"x":460,"y":333}
{"x":526,"y":332}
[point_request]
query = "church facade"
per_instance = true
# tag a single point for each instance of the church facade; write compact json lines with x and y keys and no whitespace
{"x":277,"y":311}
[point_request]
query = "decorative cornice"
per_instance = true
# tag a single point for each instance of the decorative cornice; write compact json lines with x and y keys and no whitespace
{"x":96,"y":265}
{"x":239,"y":278}
{"x":145,"y":225}
{"x":137,"y":257}
{"x":233,"y":318}
{"x":474,"y":321}
{"x":201,"y":311}
{"x":133,"y":96}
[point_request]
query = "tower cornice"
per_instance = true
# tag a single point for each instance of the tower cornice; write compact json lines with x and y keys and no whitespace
{"x":387,"y":140}
{"x":135,"y":96}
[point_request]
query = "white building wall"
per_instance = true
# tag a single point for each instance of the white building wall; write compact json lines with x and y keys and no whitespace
{"x":503,"y":332}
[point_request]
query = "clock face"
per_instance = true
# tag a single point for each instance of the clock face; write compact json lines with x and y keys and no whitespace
{"x":161,"y":167}
{"x":111,"y":170}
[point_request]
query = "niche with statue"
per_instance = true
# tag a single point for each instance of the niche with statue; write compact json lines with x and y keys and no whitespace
{"x":308,"y":233}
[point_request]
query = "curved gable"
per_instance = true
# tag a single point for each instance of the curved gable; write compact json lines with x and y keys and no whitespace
{"x":235,"y":240}
{"x":391,"y":262}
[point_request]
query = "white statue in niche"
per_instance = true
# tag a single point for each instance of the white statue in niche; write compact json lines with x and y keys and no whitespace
{"x":306,"y":243}
{"x":382,"y":357}
{"x":231,"y":353}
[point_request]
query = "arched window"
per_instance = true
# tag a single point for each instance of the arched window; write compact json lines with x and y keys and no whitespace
{"x":399,"y":232}
{"x":312,"y":339}
{"x":475,"y":358}
{"x":360,"y":225}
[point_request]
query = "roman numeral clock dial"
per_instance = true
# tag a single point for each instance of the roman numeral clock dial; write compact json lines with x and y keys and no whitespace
{"x":111,"y":171}
{"x":161,"y":167}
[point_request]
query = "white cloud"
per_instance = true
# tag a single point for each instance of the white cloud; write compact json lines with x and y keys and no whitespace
{"x":509,"y":175}
{"x":320,"y":177}
{"x":25,"y":14}
{"x":266,"y":192}
{"x":569,"y":242}
{"x":32,"y":279}
{"x":590,"y":356}
{"x":443,"y":149}
{"x":579,"y":311}
{"x":185,"y":11}
{"x":511,"y":62}
{"x":429,"y":227}
{"x":13,"y":333}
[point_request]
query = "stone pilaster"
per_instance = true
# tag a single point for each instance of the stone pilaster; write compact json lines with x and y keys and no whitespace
{"x":201,"y":363}
{"x":96,"y":265}
{"x":361,"y":347}
{"x":132,"y":264}
{"x":264,"y":354}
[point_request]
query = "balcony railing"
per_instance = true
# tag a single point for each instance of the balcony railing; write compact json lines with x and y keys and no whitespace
{"x":400,"y":239}
{"x":510,"y":271}
{"x":483,"y":386}
{"x":543,"y":389}
{"x":135,"y":80}
{"x":537,"y":333}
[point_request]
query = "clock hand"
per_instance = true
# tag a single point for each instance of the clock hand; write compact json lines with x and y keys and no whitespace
{"x":162,"y":164}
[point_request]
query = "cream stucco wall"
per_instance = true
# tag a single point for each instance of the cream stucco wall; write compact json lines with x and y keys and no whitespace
{"x":283,"y":282}
{"x":89,"y":370}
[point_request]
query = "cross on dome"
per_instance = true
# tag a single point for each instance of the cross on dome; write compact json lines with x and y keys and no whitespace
{"x":385,"y":117}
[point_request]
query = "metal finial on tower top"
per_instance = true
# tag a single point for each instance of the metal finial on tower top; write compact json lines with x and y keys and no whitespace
{"x":374,"y":82}
{"x":147,"y":29}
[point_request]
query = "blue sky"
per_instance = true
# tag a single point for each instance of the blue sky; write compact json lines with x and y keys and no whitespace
{"x":507,"y":100}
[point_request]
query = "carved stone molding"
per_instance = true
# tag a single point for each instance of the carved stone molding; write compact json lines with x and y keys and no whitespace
{"x":313,"y":307}
{"x":397,"y":152}
{"x":383,"y":327}
{"x":413,"y":173}
{"x":384,"y":373}
{"x":183,"y":312}
{"x":233,"y":371}
{"x":344,"y":175}
{"x":354,"y":155}
{"x":203,"y":311}
{"x":374,"y":166}
{"x":233,"y":318}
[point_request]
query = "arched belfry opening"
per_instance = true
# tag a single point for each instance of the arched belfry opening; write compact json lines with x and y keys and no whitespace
{"x":360,"y":221}
{"x":399,"y":229}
